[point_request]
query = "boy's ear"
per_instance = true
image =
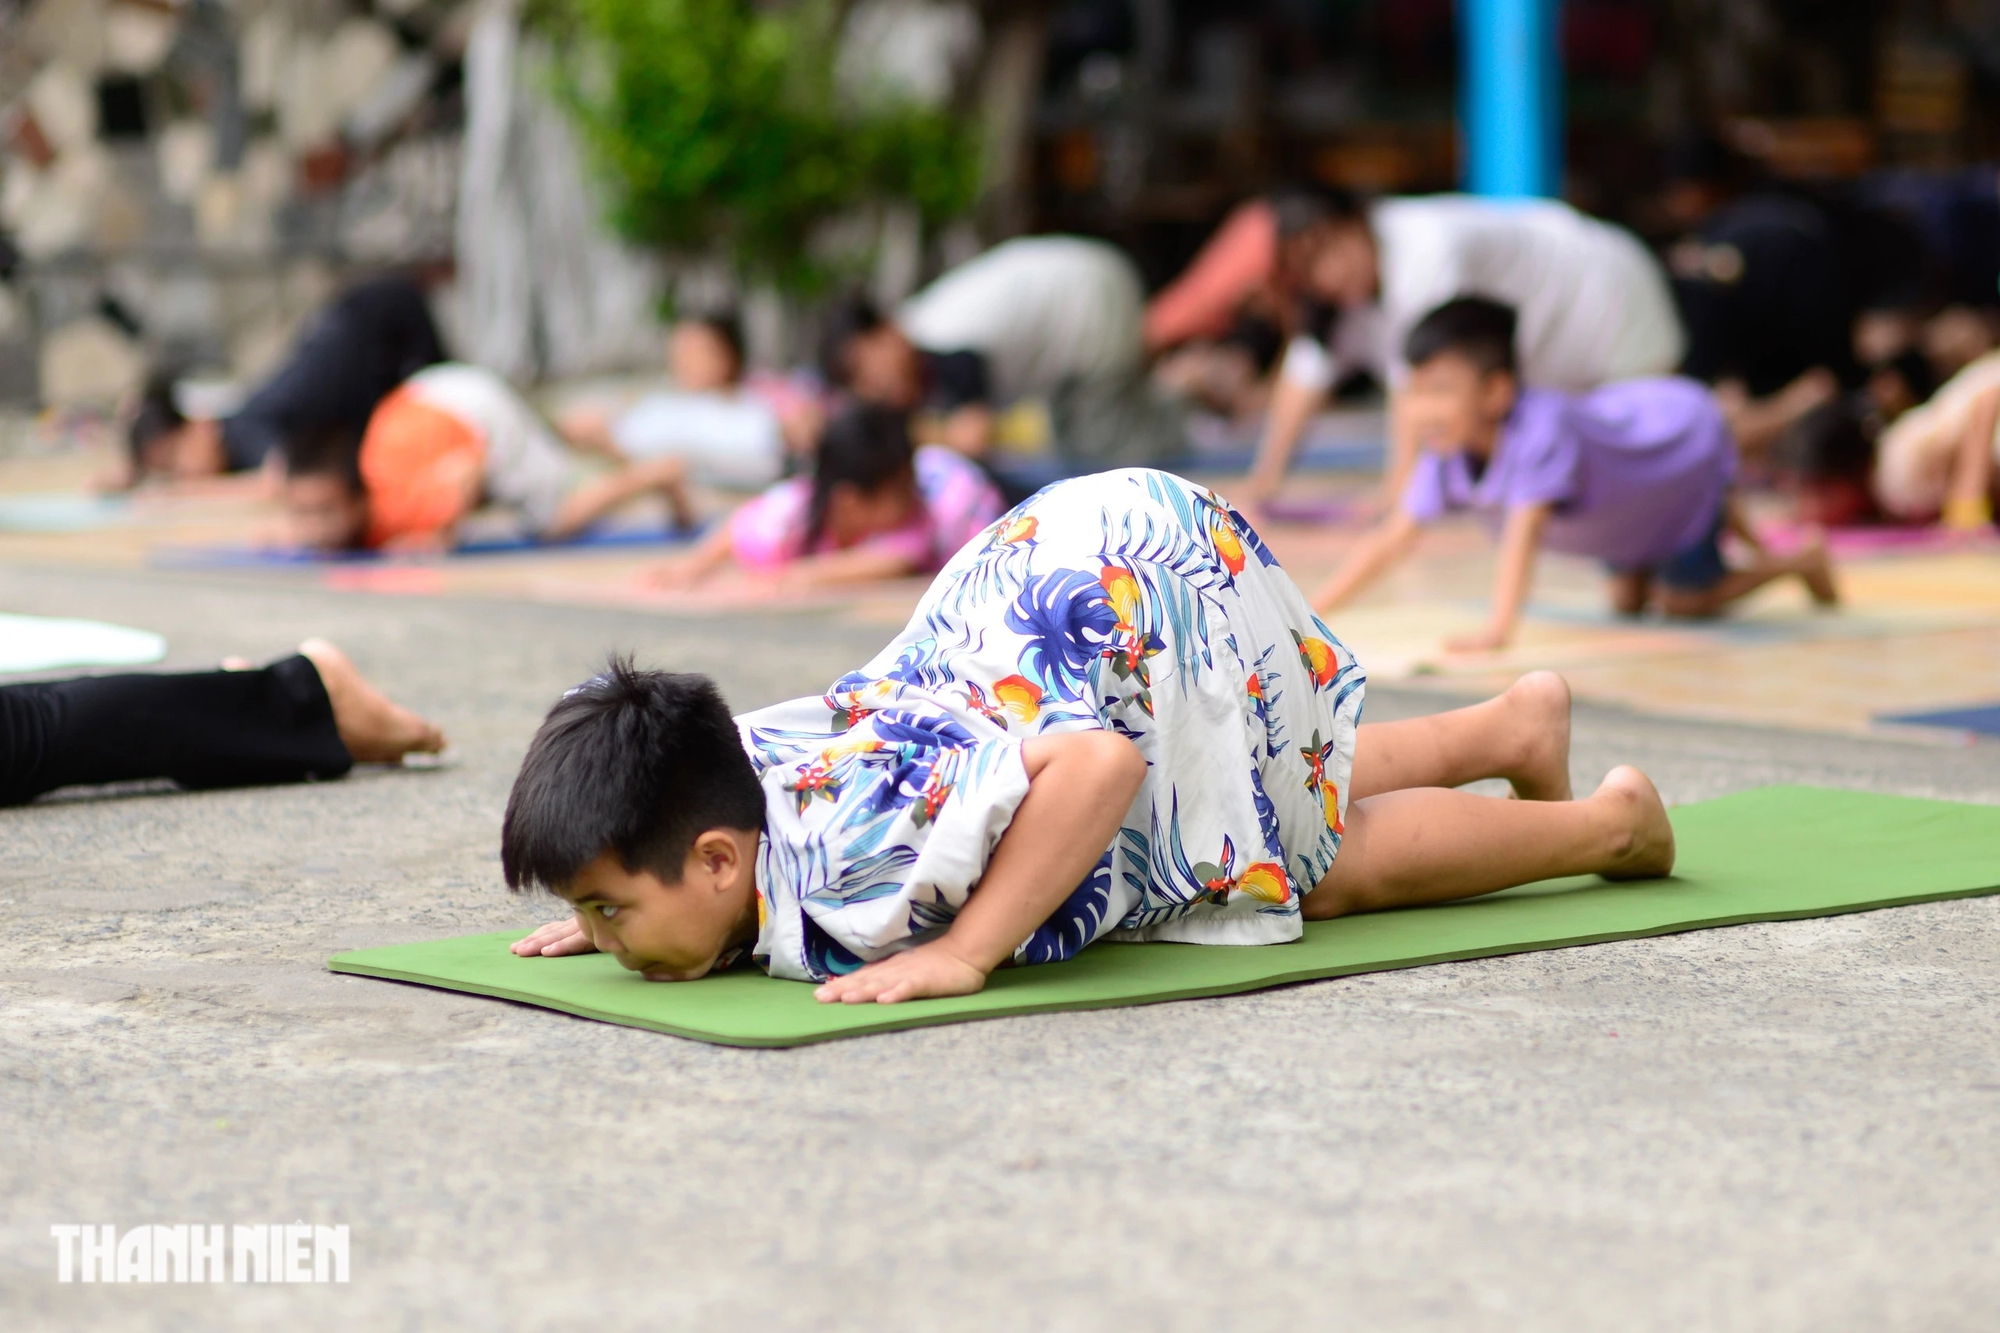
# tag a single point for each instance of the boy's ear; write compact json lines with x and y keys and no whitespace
{"x":715,"y":853}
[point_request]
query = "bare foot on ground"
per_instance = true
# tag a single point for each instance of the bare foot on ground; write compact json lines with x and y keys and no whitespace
{"x":1644,"y":846}
{"x":374,"y":729}
{"x":1540,"y":703}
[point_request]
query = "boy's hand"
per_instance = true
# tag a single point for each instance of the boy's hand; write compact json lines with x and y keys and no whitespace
{"x":927,"y":971}
{"x":670,"y":575}
{"x":555,"y":940}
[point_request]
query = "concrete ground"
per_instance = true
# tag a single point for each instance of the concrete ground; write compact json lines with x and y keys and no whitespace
{"x":1787,"y":1126}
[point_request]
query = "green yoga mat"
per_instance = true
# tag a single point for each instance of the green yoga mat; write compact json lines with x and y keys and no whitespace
{"x":1767,"y":855}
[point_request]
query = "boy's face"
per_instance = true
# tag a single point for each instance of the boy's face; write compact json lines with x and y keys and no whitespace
{"x":1451,"y":405}
{"x":324,"y":512}
{"x":854,"y":515}
{"x":671,"y":932}
{"x":699,"y":359}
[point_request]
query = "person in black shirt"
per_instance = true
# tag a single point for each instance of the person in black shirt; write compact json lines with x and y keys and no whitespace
{"x":373,"y":337}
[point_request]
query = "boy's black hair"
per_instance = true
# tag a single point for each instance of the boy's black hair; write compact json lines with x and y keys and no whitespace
{"x":1300,"y":208}
{"x":865,"y":445}
{"x":851,"y":317}
{"x":1478,"y":329}
{"x":157,"y":415}
{"x":634,"y":763}
{"x":726,"y":325}
{"x":325,"y":451}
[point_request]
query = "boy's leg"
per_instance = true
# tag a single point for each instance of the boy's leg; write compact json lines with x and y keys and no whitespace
{"x":1810,"y":566}
{"x":1630,"y":590}
{"x":1428,"y":845}
{"x":309,"y":716}
{"x":1521,"y":735}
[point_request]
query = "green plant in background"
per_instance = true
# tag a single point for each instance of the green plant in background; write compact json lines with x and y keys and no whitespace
{"x":718,"y":126}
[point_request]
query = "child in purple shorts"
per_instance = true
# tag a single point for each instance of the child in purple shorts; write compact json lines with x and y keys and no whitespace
{"x":1635,"y":474}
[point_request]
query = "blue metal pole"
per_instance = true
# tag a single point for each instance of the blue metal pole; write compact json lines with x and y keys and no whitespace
{"x":1510,"y":97}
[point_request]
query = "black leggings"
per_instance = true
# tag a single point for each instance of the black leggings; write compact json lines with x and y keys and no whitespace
{"x":202,"y":729}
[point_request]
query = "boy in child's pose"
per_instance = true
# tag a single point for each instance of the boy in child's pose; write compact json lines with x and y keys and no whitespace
{"x":451,"y":438}
{"x":1112,"y":715}
{"x":1636,"y":474}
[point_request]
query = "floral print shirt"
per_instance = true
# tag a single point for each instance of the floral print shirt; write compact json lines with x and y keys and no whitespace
{"x":1131,"y":601}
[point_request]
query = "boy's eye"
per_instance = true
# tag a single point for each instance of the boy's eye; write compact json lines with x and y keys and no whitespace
{"x":606,"y":910}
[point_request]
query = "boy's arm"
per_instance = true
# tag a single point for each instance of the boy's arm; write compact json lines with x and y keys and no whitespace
{"x":588,"y":430}
{"x":1292,"y":407}
{"x":1080,"y":785}
{"x":859,"y":564}
{"x":1380,"y":549}
{"x":1403,"y":451}
{"x":684,"y":571}
{"x":1520,"y":539}
{"x":594,"y":499}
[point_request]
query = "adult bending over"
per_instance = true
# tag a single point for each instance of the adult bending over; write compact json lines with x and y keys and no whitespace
{"x":1593,"y":303}
{"x":1049,"y":317}
{"x":311,"y":716}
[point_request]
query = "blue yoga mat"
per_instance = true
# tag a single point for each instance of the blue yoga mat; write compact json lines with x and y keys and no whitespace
{"x":245,"y":557}
{"x":1983,"y":719}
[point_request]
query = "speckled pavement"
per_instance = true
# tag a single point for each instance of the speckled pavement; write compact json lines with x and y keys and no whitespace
{"x":1770,"y":1127}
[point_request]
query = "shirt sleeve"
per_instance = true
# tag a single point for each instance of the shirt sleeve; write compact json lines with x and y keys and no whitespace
{"x":1236,"y":261}
{"x":1424,"y":496}
{"x":874,"y":841}
{"x":1309,"y":365}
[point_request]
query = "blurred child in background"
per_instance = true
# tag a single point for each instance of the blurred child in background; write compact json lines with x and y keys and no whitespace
{"x":731,"y":429}
{"x":1636,"y":474}
{"x":351,"y":356}
{"x":451,"y":439}
{"x":1937,"y":460}
{"x":873,"y":508}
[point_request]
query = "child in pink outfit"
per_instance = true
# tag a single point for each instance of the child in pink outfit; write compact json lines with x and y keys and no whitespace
{"x":873,"y":509}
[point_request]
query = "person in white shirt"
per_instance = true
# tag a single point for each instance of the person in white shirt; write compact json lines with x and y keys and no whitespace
{"x":732,"y":429}
{"x":1593,"y":302}
{"x":1056,"y":318}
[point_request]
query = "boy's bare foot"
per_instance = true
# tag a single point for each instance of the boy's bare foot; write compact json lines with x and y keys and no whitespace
{"x":1643,"y":846}
{"x":374,"y":730}
{"x":1539,"y":702}
{"x":1816,"y":569}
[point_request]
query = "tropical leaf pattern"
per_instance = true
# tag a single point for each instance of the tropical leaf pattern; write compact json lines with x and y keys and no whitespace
{"x":1131,"y":601}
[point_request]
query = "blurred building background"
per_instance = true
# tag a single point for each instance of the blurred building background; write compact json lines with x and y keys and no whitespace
{"x":185,"y":179}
